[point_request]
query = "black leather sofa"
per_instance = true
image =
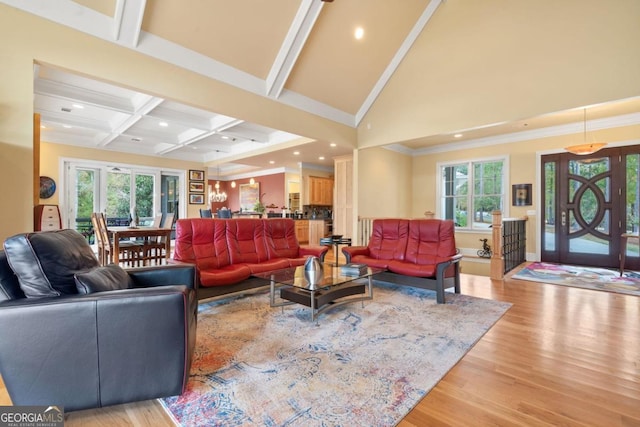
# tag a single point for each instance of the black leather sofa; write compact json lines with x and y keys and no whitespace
{"x":100,"y":348}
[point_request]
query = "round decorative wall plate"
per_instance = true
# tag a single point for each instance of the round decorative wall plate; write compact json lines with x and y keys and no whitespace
{"x":47,"y":187}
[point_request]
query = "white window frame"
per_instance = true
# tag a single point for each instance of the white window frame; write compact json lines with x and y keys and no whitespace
{"x":470,"y":162}
{"x":66,"y":199}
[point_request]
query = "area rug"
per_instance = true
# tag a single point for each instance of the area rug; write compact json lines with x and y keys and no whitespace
{"x":355,"y":366}
{"x":600,"y":279}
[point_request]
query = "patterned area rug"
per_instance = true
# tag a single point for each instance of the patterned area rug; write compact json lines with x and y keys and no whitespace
{"x":599,"y":279}
{"x":355,"y":366}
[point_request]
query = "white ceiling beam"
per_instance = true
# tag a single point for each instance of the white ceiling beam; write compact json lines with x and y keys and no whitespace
{"x":292,"y":45}
{"x":221,"y":125}
{"x":127,"y":22}
{"x":74,"y":15}
{"x":125,"y":124}
{"x":397,"y":58}
{"x":86,"y":96}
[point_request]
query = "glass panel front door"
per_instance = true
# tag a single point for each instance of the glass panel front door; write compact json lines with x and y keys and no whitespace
{"x":581,"y":216}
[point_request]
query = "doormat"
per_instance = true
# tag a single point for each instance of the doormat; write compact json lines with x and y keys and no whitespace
{"x":356,"y":366}
{"x":600,"y":279}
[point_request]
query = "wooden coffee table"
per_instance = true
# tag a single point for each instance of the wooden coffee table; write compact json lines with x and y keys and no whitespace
{"x":332,"y":290}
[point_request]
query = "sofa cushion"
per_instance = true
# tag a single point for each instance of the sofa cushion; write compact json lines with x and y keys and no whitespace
{"x":280,"y":238}
{"x":411,"y":269}
{"x":9,"y":285}
{"x":109,"y":278}
{"x":202,"y":241}
{"x":46,"y":262}
{"x":430,"y":241}
{"x":371,"y":262}
{"x":245,"y":238}
{"x":269,"y":265}
{"x":388,"y":239}
{"x":227,"y":275}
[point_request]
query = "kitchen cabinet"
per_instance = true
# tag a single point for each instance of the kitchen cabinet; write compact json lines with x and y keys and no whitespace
{"x":317,"y":230}
{"x":302,"y":231}
{"x":320,"y":191}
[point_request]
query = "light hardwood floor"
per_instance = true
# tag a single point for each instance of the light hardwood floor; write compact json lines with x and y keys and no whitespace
{"x":559,"y":356}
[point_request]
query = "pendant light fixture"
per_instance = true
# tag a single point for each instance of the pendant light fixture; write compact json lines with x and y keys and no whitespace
{"x":587,"y":147}
{"x":217,"y":197}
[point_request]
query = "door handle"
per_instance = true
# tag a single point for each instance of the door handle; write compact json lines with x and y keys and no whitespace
{"x":563,"y":220}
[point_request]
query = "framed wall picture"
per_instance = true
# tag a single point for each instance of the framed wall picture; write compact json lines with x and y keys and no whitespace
{"x":196,"y":199}
{"x":196,"y":187}
{"x":521,"y":194}
{"x":196,"y":175}
{"x":249,"y":195}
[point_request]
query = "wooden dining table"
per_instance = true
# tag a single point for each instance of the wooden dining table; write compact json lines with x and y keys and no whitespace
{"x":141,"y":232}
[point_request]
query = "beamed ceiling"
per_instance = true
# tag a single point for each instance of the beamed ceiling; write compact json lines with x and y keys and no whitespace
{"x":302,"y":53}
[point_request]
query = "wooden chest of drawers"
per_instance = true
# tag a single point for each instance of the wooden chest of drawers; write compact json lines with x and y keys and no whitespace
{"x":47,"y":217}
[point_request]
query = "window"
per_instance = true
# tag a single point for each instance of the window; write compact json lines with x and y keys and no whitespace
{"x":471,"y":190}
{"x":92,"y":186}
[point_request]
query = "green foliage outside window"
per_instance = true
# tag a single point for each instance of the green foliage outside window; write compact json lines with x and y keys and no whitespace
{"x":476,"y":184}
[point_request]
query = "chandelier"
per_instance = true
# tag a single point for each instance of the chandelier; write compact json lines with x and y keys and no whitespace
{"x":217,"y":197}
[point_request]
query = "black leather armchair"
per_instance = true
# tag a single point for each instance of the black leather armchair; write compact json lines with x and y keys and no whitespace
{"x":93,"y":350}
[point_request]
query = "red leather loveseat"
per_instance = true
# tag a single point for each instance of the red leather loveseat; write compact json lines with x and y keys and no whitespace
{"x":227,"y":252}
{"x":415,"y":252}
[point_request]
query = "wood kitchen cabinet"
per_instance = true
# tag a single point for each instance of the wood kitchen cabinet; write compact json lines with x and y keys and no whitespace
{"x":317,"y":230}
{"x":302,"y":231}
{"x":320,"y":191}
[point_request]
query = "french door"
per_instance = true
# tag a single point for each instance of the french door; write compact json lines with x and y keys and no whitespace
{"x":119,"y":193}
{"x":588,"y":202}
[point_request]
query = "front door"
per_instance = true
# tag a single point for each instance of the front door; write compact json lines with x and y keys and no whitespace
{"x":585,"y":206}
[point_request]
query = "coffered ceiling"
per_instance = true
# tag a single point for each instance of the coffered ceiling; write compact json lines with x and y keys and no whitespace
{"x":302,"y":53}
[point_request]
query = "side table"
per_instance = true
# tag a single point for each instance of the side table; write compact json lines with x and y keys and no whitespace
{"x":329,"y":241}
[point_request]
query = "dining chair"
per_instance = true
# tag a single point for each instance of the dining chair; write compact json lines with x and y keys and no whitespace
{"x":206,"y":213}
{"x":102,"y":256}
{"x":155,"y":249}
{"x":224,"y":213}
{"x":129,"y":253}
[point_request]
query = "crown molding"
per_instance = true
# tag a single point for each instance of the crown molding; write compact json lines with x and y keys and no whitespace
{"x":527,"y":135}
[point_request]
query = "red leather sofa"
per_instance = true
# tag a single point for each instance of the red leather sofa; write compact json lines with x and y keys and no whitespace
{"x":415,"y":252}
{"x":227,"y":252}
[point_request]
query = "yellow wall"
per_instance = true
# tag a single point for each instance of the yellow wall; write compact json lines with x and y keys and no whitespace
{"x":483,"y":62}
{"x":51,"y":155}
{"x":522,"y":170}
{"x":28,"y":39}
{"x":384,"y":184}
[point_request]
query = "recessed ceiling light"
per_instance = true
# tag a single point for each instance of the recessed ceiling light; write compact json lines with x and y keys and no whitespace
{"x":321,"y":158}
{"x":296,"y":153}
{"x":163,"y":124}
{"x":43,"y":127}
{"x":358,"y":33}
{"x":271,"y":162}
{"x":333,"y":144}
{"x":457,"y":135}
{"x":136,"y":139}
{"x":224,"y":137}
{"x":66,"y":126}
{"x":78,"y":106}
